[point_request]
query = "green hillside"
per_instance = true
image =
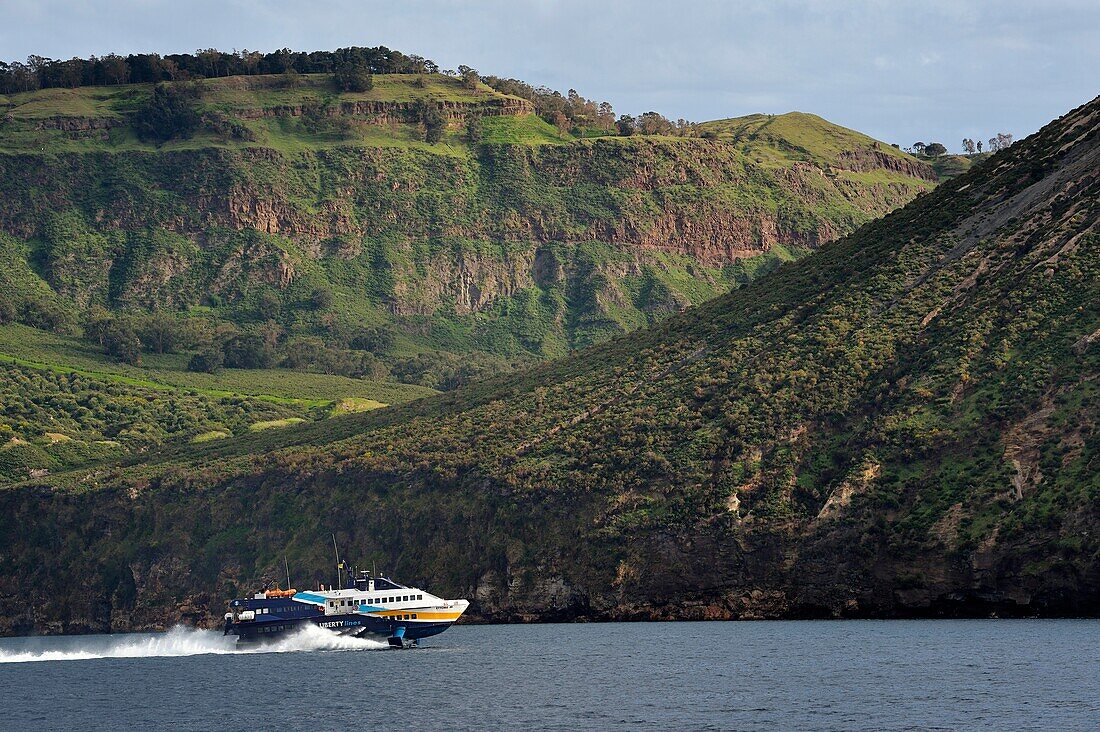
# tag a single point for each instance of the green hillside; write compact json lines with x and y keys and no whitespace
{"x":902,"y":423}
{"x":797,"y":136}
{"x":66,"y":403}
{"x":310,"y":244}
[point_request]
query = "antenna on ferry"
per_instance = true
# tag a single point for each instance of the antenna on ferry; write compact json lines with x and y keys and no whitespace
{"x":286,"y":564}
{"x":339,"y":579}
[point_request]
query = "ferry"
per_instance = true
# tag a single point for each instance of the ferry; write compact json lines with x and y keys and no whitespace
{"x":365,"y":605}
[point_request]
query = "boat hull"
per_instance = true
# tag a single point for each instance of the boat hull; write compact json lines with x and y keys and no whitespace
{"x":276,"y":629}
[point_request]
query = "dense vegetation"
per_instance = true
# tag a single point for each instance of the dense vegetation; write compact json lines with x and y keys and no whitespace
{"x":348,"y":225}
{"x":43,"y":410}
{"x":904,"y":422}
{"x":142,"y":68}
{"x":67,"y":402}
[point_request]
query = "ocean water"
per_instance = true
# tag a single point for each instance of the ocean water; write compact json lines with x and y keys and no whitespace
{"x":828,"y":675}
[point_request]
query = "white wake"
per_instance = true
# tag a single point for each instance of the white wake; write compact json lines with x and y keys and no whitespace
{"x":182,"y":641}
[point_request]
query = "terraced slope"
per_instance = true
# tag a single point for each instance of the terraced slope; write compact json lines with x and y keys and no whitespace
{"x":903,"y":423}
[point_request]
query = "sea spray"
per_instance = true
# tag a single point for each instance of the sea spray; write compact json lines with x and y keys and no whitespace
{"x":314,"y":638}
{"x":179,"y":641}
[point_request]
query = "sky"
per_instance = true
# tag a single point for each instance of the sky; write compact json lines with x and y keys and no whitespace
{"x":901,"y":71}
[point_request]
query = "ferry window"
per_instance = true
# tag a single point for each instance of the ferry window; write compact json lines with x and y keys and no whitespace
{"x":414,"y":616}
{"x":332,"y":604}
{"x":419,"y":597}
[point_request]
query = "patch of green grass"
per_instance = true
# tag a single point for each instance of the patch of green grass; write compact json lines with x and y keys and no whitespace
{"x":64,"y":354}
{"x":85,"y":101}
{"x":211,"y":435}
{"x":353,"y":404}
{"x":275,"y":424}
{"x":526,"y":130}
{"x":775,"y":139}
{"x":950,"y":166}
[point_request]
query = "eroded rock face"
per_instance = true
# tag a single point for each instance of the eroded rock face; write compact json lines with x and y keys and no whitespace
{"x":719,"y":238}
{"x":646,"y":198}
{"x":77,"y":124}
{"x":862,"y":161}
{"x":379,"y":112}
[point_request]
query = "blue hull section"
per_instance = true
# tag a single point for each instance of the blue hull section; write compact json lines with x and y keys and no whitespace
{"x":272,"y":629}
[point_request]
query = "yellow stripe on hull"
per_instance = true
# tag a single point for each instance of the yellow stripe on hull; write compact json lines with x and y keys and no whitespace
{"x":434,"y":616}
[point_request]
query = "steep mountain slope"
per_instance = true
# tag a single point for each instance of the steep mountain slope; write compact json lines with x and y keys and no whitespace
{"x":904,"y":423}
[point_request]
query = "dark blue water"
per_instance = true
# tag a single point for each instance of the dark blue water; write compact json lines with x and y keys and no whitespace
{"x":873,"y":675}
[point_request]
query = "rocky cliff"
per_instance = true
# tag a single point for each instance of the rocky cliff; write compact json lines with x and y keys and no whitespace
{"x":638,"y":226}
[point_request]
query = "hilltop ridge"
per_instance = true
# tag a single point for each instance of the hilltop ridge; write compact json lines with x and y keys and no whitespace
{"x":89,"y":117}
